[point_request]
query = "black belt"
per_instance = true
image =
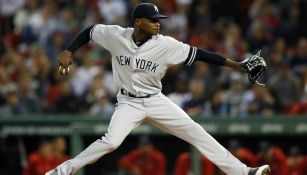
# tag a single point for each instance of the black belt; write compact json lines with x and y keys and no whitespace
{"x":125,"y":92}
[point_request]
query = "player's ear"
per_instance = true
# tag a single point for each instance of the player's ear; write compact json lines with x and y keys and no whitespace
{"x":137,"y":22}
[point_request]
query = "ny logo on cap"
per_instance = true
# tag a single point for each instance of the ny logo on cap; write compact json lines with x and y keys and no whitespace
{"x":156,"y":8}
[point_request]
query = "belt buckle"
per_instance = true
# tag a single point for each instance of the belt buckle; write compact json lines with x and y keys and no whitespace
{"x":126,"y":92}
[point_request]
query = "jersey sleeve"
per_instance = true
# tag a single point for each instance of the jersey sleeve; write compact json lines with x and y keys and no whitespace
{"x":103,"y":35}
{"x":179,"y":52}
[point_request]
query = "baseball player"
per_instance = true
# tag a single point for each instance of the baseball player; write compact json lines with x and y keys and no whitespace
{"x":140,"y":58}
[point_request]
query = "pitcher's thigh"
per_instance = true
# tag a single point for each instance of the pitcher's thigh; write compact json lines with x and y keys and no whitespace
{"x":123,"y":121}
{"x":172,"y":119}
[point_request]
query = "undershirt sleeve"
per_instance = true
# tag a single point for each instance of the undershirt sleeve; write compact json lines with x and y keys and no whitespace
{"x":81,"y":39}
{"x":206,"y":56}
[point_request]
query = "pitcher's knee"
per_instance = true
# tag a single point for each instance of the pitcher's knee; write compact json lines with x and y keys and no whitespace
{"x":113,"y":144}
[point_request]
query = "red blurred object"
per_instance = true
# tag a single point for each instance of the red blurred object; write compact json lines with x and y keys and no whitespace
{"x":275,"y":157}
{"x":150,"y":163}
{"x":297,"y":109}
{"x":183,"y":165}
{"x":38,"y":165}
{"x":12,"y":40}
{"x":247,"y":157}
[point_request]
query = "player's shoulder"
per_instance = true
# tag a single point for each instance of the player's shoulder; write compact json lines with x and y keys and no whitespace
{"x":116,"y":29}
{"x":167,"y":40}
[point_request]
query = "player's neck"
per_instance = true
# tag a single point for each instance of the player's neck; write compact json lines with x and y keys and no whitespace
{"x":140,"y":38}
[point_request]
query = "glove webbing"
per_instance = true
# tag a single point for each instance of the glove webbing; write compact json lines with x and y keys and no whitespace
{"x":255,"y":59}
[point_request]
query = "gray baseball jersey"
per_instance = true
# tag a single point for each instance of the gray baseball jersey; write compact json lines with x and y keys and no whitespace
{"x":139,"y":70}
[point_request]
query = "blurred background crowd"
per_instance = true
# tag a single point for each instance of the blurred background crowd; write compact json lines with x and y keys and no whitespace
{"x":34,"y":32}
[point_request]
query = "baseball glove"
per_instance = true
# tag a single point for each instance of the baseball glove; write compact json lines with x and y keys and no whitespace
{"x":254,"y":66}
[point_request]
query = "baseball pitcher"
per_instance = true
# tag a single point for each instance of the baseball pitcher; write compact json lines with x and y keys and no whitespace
{"x":140,"y":59}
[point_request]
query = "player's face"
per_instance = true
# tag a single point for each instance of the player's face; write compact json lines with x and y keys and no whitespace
{"x":150,"y":26}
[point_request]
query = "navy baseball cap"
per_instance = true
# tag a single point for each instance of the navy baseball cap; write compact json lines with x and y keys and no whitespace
{"x":146,"y":10}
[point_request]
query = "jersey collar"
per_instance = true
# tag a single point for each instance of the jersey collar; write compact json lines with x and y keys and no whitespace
{"x":133,"y":44}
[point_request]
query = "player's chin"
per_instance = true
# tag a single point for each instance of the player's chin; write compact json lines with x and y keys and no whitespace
{"x":155,"y":32}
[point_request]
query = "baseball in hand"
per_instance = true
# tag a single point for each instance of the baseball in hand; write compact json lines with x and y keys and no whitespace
{"x":64,"y":71}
